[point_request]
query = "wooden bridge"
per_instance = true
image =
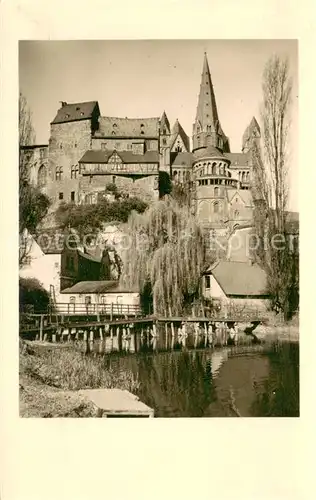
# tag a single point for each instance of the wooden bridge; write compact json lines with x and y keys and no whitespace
{"x":98,"y":325}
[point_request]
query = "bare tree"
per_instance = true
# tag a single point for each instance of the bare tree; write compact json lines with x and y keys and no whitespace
{"x":33,"y":204}
{"x":270,"y":185}
{"x":277,"y":88}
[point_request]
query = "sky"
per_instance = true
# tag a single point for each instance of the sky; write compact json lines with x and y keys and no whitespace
{"x":144,"y":78}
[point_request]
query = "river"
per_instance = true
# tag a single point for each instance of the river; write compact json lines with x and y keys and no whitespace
{"x":188,"y":378}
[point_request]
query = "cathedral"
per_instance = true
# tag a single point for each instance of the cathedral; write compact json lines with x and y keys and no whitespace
{"x":88,"y":152}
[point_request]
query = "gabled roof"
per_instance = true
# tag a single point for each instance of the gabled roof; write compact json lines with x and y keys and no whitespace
{"x":102,"y":156}
{"x":178,"y":130}
{"x":76,"y":111}
{"x":51,"y":241}
{"x":110,"y":126}
{"x":244,"y":194}
{"x":183,"y":159}
{"x":240,"y":278}
{"x":97,"y":287}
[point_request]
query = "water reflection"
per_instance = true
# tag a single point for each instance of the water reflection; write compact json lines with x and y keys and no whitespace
{"x":215,"y":383}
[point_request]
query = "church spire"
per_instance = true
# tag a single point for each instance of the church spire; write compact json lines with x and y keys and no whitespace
{"x":207,"y":129}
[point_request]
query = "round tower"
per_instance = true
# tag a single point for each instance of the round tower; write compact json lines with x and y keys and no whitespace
{"x":212,"y":178}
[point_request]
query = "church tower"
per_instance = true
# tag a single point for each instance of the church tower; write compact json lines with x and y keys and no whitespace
{"x":207,"y":130}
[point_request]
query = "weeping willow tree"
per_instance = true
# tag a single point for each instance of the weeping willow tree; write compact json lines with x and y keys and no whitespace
{"x":164,"y":257}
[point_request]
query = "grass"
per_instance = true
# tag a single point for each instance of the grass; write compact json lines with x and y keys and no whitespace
{"x":51,"y":376}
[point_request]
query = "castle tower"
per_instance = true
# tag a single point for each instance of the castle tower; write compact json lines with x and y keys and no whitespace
{"x":207,"y":130}
{"x":164,"y":143}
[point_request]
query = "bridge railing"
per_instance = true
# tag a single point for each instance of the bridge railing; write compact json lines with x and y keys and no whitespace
{"x":95,"y":309}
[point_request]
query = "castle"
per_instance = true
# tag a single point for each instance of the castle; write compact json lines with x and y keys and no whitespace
{"x":142,"y":156}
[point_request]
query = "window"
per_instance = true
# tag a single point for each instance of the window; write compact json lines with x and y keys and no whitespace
{"x":113,"y":179}
{"x":72,"y":196}
{"x":103,"y":299}
{"x":59,"y":173}
{"x":207,"y":282}
{"x":216,"y":192}
{"x":72,"y":299}
{"x":178,"y":148}
{"x":61,"y":196}
{"x":41,"y":176}
{"x":103,"y":145}
{"x":75,"y":144}
{"x":236,"y":214}
{"x":60,"y":146}
{"x":117,"y":145}
{"x":74,"y":171}
{"x":113,"y":132}
{"x":87,"y":300}
{"x":164,"y":141}
{"x":213,"y":168}
{"x":164,"y":131}
{"x":216,"y":207}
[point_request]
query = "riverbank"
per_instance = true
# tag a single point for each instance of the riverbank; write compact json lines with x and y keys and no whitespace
{"x":275,"y":329}
{"x":51,"y":377}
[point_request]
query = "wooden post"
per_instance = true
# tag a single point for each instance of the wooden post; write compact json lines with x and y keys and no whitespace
{"x":41,"y":327}
{"x":172,"y":328}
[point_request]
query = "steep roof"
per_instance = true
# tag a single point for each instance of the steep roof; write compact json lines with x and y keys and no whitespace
{"x":252,"y":129}
{"x":239,"y":278}
{"x":178,"y":130}
{"x":110,"y":126}
{"x":102,"y":156}
{"x":206,"y":112}
{"x":51,"y":241}
{"x":183,"y":159}
{"x":238,"y":159}
{"x":76,"y":111}
{"x":97,"y":287}
{"x":164,"y":122}
{"x":209,"y":152}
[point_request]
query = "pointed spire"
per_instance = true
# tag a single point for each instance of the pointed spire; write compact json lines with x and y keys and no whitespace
{"x":207,"y":129}
{"x":164,"y":122}
{"x":206,"y":113}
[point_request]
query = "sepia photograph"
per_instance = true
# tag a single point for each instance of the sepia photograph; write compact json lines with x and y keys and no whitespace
{"x":158,"y":228}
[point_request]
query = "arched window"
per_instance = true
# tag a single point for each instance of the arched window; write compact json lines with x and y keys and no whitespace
{"x":214,"y":168}
{"x":243,"y":178}
{"x":59,"y":173}
{"x":74,"y":171}
{"x":42,"y":176}
{"x":216,"y":192}
{"x":236,"y":214}
{"x":216,"y":207}
{"x":178,"y":148}
{"x":175,"y":173}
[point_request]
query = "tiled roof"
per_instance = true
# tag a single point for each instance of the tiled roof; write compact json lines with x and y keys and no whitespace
{"x":178,"y":130}
{"x":75,"y":111}
{"x":238,"y":159}
{"x":183,"y":159}
{"x":240,"y":278}
{"x":209,"y":152}
{"x":102,"y":156}
{"x":165,"y":122}
{"x":127,"y":127}
{"x":97,"y":287}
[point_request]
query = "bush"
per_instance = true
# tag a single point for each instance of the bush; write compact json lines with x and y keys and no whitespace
{"x":32,"y":295}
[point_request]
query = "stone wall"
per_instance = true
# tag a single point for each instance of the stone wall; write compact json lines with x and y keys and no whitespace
{"x":68,"y":143}
{"x":145,"y":188}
